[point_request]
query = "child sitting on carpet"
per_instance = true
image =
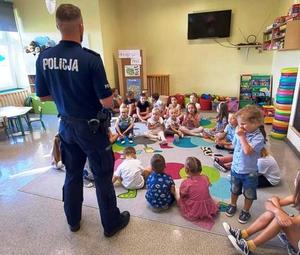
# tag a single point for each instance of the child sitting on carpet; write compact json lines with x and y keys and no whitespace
{"x":160,"y":187}
{"x":248,"y":142}
{"x":225,"y":138}
{"x":130,"y":102}
{"x":56,"y":153}
{"x":223,"y":163}
{"x":191,"y":122}
{"x":143,"y":108}
{"x":194,"y":100}
{"x":222,"y":120}
{"x":157,"y":103}
{"x":274,"y":221}
{"x":130,"y":172}
{"x":173,"y":105}
{"x":155,"y":126}
{"x":268,"y":170}
{"x":117,"y":101}
{"x":124,"y":125}
{"x":172,"y":125}
{"x":195,"y":201}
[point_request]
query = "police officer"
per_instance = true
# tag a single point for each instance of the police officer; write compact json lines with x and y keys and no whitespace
{"x":74,"y":77}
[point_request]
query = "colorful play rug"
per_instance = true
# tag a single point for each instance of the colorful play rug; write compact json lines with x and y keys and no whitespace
{"x":50,"y":184}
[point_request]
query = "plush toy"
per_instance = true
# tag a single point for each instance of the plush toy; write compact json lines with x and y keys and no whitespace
{"x":39,"y":44}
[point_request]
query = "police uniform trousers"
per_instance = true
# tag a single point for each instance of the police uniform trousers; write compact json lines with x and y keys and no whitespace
{"x":77,"y":144}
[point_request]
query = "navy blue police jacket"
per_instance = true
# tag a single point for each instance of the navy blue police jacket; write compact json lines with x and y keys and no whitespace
{"x":74,"y":77}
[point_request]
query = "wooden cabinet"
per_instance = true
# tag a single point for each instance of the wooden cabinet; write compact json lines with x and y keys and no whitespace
{"x":283,"y":36}
{"x":292,"y":35}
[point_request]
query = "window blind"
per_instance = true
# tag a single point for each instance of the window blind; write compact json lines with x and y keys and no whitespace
{"x":7,"y":18}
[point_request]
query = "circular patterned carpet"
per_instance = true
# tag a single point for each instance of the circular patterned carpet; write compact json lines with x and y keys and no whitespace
{"x":220,"y":186}
{"x":221,"y":189}
{"x":192,"y":142}
{"x":207,"y":123}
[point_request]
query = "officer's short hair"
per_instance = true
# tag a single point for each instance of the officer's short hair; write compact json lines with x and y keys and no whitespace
{"x":67,"y":13}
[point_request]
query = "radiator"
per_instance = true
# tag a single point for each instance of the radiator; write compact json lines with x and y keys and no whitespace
{"x":158,"y":83}
{"x":14,"y":98}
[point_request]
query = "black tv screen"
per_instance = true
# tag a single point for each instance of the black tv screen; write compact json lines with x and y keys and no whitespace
{"x":209,"y":24}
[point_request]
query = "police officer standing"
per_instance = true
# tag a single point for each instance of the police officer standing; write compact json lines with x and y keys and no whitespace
{"x":74,"y":77}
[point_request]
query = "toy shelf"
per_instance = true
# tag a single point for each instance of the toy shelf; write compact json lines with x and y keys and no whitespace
{"x":283,"y":36}
{"x":255,"y":89}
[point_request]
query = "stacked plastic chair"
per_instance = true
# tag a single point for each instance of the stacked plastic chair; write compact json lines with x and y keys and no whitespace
{"x":284,"y":100}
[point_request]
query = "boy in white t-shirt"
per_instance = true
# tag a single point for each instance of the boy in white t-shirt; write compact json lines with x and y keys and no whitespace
{"x":268,"y":170}
{"x":130,"y":172}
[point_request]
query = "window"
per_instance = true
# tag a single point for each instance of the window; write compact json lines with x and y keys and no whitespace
{"x":7,"y":80}
{"x":12,"y":68}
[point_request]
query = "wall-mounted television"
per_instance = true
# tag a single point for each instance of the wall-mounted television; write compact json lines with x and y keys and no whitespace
{"x":209,"y":24}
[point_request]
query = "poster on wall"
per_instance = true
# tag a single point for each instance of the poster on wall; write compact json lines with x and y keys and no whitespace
{"x":129,"y":53}
{"x":132,"y":70}
{"x":136,"y":61}
{"x":134,"y":85}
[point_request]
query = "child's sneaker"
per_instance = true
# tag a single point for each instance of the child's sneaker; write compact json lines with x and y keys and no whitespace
{"x":282,"y":237}
{"x":121,"y":140}
{"x":240,"y":245}
{"x":231,"y":210}
{"x":88,"y":175}
{"x":220,"y":167}
{"x":244,"y":217}
{"x":130,"y":136}
{"x":235,"y":232}
{"x":220,"y":147}
{"x":88,"y":184}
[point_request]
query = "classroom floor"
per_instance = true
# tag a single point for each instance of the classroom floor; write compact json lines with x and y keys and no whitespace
{"x":32,"y":224}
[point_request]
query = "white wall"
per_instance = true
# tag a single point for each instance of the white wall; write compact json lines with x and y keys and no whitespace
{"x":293,"y":135}
{"x":159,"y":27}
{"x":283,"y":59}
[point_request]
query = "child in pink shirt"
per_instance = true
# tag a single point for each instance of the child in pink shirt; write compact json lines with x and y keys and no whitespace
{"x":195,"y":202}
{"x":191,"y":122}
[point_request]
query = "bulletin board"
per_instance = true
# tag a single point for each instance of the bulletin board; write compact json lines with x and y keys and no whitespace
{"x":131,"y":71}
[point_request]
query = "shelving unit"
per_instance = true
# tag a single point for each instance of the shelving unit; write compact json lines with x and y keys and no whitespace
{"x":282,"y":36}
{"x":255,"y":89}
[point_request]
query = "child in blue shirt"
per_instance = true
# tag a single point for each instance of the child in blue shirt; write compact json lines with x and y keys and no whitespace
{"x":248,"y":142}
{"x":222,"y":121}
{"x":160,"y":186}
{"x":124,"y":125}
{"x":225,"y":138}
